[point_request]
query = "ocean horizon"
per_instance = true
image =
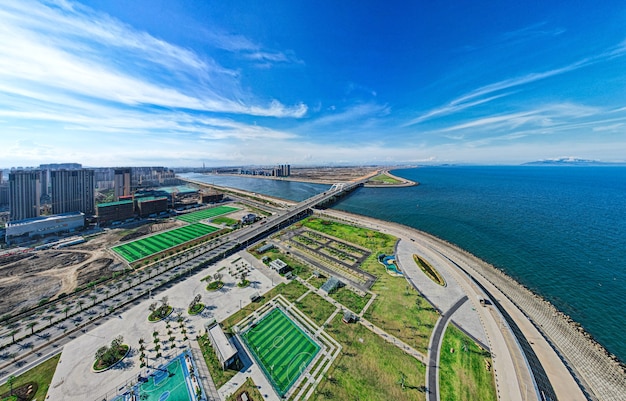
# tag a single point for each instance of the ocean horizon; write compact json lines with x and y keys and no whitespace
{"x":558,"y":230}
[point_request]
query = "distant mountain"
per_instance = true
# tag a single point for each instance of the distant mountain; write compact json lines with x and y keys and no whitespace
{"x":566,"y":161}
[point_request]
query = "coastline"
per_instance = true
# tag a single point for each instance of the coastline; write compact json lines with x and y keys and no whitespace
{"x":403,"y":182}
{"x":330,"y":181}
{"x":594,"y":367}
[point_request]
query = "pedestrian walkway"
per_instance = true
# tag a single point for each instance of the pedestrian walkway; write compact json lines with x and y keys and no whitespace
{"x":370,"y":326}
{"x":204,"y":374}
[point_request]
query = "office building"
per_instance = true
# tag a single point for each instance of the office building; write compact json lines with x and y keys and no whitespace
{"x":73,"y":191}
{"x":122,"y":182}
{"x":24,"y":194}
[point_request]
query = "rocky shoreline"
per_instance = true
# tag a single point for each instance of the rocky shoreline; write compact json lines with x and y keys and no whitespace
{"x":599,"y":372}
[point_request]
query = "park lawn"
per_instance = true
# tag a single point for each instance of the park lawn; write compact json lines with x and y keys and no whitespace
{"x":249,"y":387}
{"x":401,"y":311}
{"x":369,"y":368}
{"x":370,"y":239}
{"x":41,"y":374}
{"x":462,"y":374}
{"x":291,"y":291}
{"x":220,"y":377}
{"x":384,"y":179}
{"x":224,"y":220}
{"x":350,"y":299}
{"x":317,"y":282}
{"x":316,"y":307}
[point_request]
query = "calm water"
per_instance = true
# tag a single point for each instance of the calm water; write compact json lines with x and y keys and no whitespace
{"x":560,"y":231}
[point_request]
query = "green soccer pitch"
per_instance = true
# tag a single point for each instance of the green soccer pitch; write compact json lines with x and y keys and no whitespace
{"x":281,"y":348}
{"x":195,"y":217}
{"x":145,"y":247}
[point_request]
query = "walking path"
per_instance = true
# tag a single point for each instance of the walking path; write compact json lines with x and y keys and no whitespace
{"x":434,"y":349}
{"x":367,"y":324}
{"x":477,"y":273}
{"x":204,"y":374}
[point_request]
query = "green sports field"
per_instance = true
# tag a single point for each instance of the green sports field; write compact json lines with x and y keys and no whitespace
{"x":281,"y":348}
{"x":195,"y":217}
{"x":144,"y":247}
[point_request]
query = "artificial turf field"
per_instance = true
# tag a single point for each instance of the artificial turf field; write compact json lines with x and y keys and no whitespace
{"x":281,"y":348}
{"x":144,"y":247}
{"x":195,"y":217}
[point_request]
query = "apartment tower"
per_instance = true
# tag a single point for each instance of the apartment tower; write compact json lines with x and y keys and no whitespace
{"x":24,"y":194}
{"x":73,"y":191}
{"x":122,"y":182}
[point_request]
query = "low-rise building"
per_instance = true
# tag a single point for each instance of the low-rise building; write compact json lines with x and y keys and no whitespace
{"x":150,"y":206}
{"x":115,"y":211}
{"x":38,"y":227}
{"x":225,"y":351}
{"x":248,"y":218}
{"x":280,"y":266}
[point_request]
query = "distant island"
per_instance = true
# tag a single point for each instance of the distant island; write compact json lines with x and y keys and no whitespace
{"x":570,"y":161}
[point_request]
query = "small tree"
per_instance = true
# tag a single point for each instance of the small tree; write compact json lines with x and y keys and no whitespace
{"x":117,"y":342}
{"x":31,"y":326}
{"x":10,"y":381}
{"x":14,"y":332}
{"x":101,"y":352}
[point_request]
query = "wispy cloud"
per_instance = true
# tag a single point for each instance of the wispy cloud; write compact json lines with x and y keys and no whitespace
{"x":248,"y":49}
{"x":491,"y":92}
{"x":65,"y":49}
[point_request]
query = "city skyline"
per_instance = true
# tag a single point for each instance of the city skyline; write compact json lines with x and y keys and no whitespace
{"x":108,"y":83}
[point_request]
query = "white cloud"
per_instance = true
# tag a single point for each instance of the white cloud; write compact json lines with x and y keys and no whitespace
{"x":477,"y":96}
{"x":73,"y":51}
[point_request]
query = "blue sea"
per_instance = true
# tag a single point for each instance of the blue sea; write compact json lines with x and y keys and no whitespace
{"x":560,"y":231}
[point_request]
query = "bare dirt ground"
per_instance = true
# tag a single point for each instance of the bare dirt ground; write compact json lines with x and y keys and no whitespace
{"x":26,"y":279}
{"x":331,"y":175}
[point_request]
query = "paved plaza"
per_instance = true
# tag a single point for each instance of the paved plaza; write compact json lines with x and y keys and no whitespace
{"x":74,"y":379}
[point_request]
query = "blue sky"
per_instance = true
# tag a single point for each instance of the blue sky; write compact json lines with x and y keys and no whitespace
{"x":181,"y":83}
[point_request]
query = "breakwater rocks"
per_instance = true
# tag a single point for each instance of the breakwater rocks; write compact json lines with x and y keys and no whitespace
{"x":601,"y":374}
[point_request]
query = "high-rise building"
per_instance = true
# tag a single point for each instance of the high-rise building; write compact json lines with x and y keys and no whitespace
{"x":73,"y":191}
{"x":122,"y":182}
{"x":46,"y":169}
{"x":283,"y":170}
{"x":24,"y":194}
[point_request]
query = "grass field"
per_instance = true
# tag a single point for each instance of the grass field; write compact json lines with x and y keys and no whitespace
{"x":247,"y":387}
{"x":316,"y":307}
{"x":281,"y":348}
{"x":350,"y":300}
{"x":463,"y":375}
{"x":384,"y":179}
{"x":398,"y":309}
{"x":369,"y":368}
{"x":144,"y":247}
{"x":224,"y":220}
{"x":41,"y":374}
{"x":195,"y":217}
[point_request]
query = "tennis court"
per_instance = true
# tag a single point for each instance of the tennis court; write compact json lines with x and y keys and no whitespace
{"x":145,"y":247}
{"x":281,"y":348}
{"x":195,"y":217}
